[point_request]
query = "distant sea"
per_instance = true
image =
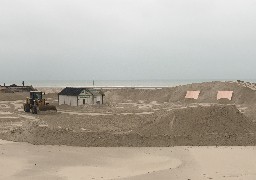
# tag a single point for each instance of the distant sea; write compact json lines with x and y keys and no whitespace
{"x":110,"y":83}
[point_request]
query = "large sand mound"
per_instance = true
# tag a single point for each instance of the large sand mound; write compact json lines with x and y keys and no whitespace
{"x":208,"y":94}
{"x":200,"y":120}
{"x":214,"y":125}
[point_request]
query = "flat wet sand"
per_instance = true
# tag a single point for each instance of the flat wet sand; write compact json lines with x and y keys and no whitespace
{"x":25,"y":161}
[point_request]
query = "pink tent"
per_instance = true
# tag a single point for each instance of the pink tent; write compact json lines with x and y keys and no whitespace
{"x":192,"y":94}
{"x":224,"y":95}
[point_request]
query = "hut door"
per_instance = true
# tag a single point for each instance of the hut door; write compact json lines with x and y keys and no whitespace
{"x":83,"y":101}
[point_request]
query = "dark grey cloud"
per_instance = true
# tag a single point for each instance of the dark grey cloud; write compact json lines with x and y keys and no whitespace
{"x":127,"y":39}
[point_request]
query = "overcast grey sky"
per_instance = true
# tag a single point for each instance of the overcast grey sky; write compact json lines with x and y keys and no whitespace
{"x":127,"y":39}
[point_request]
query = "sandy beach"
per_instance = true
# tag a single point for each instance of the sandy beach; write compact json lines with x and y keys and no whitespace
{"x":25,"y":161}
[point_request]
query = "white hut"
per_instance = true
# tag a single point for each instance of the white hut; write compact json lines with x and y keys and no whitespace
{"x":80,"y":96}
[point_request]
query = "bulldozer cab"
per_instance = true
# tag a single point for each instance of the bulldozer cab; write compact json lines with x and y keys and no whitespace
{"x":36,"y":95}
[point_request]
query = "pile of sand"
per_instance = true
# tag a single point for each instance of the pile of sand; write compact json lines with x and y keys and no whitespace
{"x":214,"y":125}
{"x":208,"y":94}
{"x":216,"y":119}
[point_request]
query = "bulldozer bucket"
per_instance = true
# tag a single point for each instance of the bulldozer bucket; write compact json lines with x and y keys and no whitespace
{"x":47,"y":108}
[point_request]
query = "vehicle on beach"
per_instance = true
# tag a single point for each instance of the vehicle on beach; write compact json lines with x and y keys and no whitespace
{"x":36,"y":103}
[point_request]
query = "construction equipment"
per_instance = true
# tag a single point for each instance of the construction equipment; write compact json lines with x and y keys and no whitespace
{"x":36,"y":103}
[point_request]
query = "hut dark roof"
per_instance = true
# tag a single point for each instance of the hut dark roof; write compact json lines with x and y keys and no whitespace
{"x":70,"y":91}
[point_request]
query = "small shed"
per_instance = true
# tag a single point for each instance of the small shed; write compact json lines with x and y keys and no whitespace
{"x":80,"y":96}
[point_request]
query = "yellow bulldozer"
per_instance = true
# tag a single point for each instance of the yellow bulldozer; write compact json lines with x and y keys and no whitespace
{"x":36,"y":103}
